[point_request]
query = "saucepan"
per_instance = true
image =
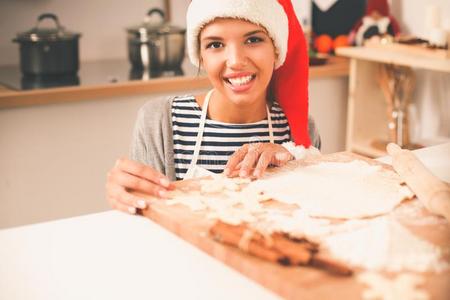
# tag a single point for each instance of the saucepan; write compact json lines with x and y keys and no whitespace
{"x":155,"y":44}
{"x":48,"y":50}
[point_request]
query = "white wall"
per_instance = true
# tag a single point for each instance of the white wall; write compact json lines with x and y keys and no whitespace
{"x":102,"y":24}
{"x":412,"y":14}
{"x":178,"y":13}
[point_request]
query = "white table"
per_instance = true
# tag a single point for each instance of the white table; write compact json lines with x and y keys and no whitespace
{"x":112,"y":255}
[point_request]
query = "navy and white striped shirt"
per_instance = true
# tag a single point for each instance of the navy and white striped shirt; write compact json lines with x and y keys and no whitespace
{"x":220,"y":140}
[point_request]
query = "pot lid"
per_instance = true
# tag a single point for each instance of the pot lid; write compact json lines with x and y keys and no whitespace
{"x":154,"y":23}
{"x":38,"y":33}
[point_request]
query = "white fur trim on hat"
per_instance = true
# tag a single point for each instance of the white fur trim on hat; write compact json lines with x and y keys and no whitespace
{"x":266,"y":13}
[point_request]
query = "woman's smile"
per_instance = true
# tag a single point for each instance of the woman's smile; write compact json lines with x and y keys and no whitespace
{"x":240,"y":82}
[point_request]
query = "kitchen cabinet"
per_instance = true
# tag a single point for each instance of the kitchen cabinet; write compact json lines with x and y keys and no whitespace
{"x":366,"y":113}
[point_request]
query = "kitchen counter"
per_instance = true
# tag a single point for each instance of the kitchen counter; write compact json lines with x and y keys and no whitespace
{"x":119,"y":81}
{"x":112,"y":255}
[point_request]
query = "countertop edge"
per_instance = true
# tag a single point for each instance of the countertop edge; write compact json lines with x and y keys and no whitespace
{"x":336,"y":67}
{"x":11,"y":99}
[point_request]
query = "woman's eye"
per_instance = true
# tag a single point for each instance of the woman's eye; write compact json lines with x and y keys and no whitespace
{"x":254,"y":39}
{"x":214,"y":45}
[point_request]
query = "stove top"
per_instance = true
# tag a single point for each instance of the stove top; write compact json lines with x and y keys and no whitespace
{"x":91,"y":73}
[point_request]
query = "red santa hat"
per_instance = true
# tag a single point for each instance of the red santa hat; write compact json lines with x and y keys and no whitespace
{"x":290,"y":78}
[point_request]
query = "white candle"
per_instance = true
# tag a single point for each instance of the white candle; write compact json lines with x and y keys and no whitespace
{"x":432,"y":17}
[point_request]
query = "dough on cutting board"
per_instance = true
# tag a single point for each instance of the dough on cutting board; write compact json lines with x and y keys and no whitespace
{"x":404,"y":286}
{"x":342,"y":190}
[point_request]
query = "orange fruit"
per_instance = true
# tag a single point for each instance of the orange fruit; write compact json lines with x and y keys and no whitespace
{"x":323,"y":43}
{"x":340,"y":41}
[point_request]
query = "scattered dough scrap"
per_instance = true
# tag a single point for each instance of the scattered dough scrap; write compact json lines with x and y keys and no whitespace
{"x":219,"y":184}
{"x":404,"y":286}
{"x":383,"y":244}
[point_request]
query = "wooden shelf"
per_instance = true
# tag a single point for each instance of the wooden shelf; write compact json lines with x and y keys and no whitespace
{"x":336,"y":66}
{"x":396,"y":57}
{"x":366,"y":112}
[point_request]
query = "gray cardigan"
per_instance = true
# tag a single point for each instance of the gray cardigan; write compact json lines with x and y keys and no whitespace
{"x":152,"y":142}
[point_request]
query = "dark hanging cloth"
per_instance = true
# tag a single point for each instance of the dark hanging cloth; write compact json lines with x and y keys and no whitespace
{"x":339,"y":19}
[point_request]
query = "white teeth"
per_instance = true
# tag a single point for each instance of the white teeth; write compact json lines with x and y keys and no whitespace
{"x":240,"y":80}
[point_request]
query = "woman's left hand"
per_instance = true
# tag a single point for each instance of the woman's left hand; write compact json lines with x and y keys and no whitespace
{"x":253,"y":159}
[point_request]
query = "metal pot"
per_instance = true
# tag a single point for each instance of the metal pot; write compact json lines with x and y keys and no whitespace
{"x":156,"y":45}
{"x":48,"y":51}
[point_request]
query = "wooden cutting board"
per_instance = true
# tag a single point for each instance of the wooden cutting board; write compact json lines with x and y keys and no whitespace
{"x":288,"y":282}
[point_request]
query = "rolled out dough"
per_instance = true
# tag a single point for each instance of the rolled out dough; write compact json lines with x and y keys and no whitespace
{"x":343,"y":190}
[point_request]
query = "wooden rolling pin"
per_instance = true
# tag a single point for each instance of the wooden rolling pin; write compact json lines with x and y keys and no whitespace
{"x":430,"y":190}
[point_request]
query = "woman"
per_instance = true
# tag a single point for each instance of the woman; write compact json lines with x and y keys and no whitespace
{"x":240,"y":127}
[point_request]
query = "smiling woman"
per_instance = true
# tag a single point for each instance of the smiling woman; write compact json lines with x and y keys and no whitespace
{"x":239,"y":58}
{"x":254,"y":54}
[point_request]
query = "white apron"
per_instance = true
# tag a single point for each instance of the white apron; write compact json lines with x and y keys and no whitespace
{"x":195,"y":171}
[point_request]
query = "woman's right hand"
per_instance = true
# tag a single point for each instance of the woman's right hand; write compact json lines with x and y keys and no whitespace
{"x":127,"y":176}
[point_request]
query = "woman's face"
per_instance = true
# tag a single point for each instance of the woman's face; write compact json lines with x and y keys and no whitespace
{"x":239,"y":58}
